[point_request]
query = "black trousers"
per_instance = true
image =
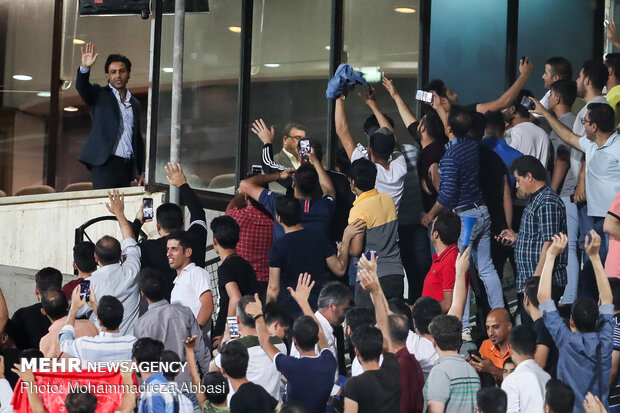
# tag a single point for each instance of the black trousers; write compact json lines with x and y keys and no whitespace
{"x":115,"y":173}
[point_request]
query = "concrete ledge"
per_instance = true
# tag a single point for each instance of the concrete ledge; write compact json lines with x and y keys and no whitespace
{"x":63,"y":196}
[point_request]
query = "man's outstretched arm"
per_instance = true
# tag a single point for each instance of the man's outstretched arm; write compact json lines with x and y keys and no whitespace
{"x":342,"y":128}
{"x":509,"y":96}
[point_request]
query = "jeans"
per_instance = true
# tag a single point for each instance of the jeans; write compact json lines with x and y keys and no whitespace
{"x":480,"y":243}
{"x":392,"y":286}
{"x":415,"y":253}
{"x":572,"y":269}
{"x":587,"y":279}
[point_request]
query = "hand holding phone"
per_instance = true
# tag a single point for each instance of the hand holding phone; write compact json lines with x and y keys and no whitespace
{"x":426,"y":97}
{"x":85,"y":289}
{"x":147,"y":208}
{"x":304,"y":148}
{"x":233,"y":327}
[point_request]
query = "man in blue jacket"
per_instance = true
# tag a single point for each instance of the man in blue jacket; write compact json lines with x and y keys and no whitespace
{"x":114,"y":151}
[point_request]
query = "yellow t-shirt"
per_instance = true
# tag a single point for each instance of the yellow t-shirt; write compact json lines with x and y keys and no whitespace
{"x":613,"y":98}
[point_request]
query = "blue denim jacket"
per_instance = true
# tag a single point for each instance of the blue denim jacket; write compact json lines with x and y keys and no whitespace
{"x":577,"y":361}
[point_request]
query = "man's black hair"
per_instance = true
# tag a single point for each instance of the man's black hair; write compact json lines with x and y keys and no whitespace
{"x":603,"y":116}
{"x":614,"y":283}
{"x":274,"y":312}
{"x":306,"y":179}
{"x":306,"y":332}
{"x":531,"y":290}
{"x":235,"y":359}
{"x":84,"y":256}
{"x":612,"y":61}
{"x":286,"y":131}
{"x":244,"y":318}
{"x":523,"y":340}
{"x":446,"y":330}
{"x":364,"y":173}
{"x":492,"y":400}
{"x":356,"y":317}
{"x":54,"y":303}
{"x":117,"y":58}
{"x":496,"y":124}
{"x":400,"y":307}
{"x":559,"y":396}
{"x":509,"y":360}
{"x":226,"y":231}
{"x":80,"y":400}
{"x":289,"y":210}
{"x":169,"y":216}
{"x":448,"y":226}
{"x":31,"y":354}
{"x":438,"y":86}
{"x":520,"y":110}
{"x":399,"y":328}
{"x":584,"y":313}
{"x":566,"y":89}
{"x":218,"y":383}
{"x":434,"y":127}
{"x":293,"y":407}
{"x":182,"y":237}
{"x":561,"y":67}
{"x":167,"y":357}
{"x":424,"y":310}
{"x":333,"y":292}
{"x":528,"y":163}
{"x":597,"y":72}
{"x":459,"y":120}
{"x":147,"y":349}
{"x":369,"y":343}
{"x":110,"y":312}
{"x":371,"y":124}
{"x":342,"y":161}
{"x":47,"y":278}
{"x":108,"y":250}
{"x":478,"y":124}
{"x":152,"y":284}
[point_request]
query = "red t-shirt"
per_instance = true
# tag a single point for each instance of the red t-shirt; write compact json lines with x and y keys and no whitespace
{"x":441,"y":276}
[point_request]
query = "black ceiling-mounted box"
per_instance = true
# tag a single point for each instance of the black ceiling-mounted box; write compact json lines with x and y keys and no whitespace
{"x":141,"y":7}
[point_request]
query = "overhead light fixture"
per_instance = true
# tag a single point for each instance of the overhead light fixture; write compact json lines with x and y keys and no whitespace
{"x":327,"y":47}
{"x":79,"y":41}
{"x":71,"y":109}
{"x":167,"y":69}
{"x":22,"y":77}
{"x":272,"y":65}
{"x":404,"y":10}
{"x":235,"y":29}
{"x":44,"y":94}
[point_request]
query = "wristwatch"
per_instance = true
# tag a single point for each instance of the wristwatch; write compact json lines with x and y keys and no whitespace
{"x":256,"y":317}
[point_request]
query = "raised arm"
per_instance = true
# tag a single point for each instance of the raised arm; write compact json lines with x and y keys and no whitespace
{"x":557,"y":246}
{"x":593,"y":244}
{"x":342,"y":128}
{"x":405,"y":114}
{"x":370,"y":282}
{"x":327,"y":186}
{"x":31,"y":388}
{"x":338,"y":263}
{"x":301,"y":295}
{"x":255,"y":310}
{"x":565,"y":133}
{"x":612,"y":34}
{"x":459,"y":297}
{"x":509,"y":96}
{"x":254,"y":186}
{"x":117,"y":207}
{"x":190,"y":344}
{"x":265,"y":134}
{"x":369,"y":99}
{"x":176,"y":177}
{"x":82,"y":83}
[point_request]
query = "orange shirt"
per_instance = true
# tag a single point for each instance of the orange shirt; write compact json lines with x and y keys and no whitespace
{"x":491,"y":351}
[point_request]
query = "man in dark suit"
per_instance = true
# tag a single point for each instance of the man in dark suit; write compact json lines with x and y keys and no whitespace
{"x":114,"y":151}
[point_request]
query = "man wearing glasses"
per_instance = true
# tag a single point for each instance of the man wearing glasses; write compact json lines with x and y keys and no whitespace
{"x":288,"y":156}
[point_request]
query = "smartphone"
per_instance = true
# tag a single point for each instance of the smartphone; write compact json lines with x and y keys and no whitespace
{"x":233,"y":327}
{"x":528,"y":103}
{"x":304,"y":148}
{"x":85,"y":289}
{"x":368,"y":254}
{"x":523,"y":58}
{"x":474,"y":352}
{"x":257,"y":169}
{"x":147,"y":208}
{"x":426,"y":97}
{"x":606,"y":22}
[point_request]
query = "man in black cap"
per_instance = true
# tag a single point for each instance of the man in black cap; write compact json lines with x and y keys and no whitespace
{"x":391,"y":166}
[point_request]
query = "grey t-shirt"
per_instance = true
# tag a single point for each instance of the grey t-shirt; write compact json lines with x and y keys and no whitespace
{"x":454,"y":382}
{"x":570,"y":182}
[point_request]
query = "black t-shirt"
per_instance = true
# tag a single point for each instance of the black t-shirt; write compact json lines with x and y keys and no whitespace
{"x":344,"y":202}
{"x":30,"y":326}
{"x":238,"y":270}
{"x":376,"y":391}
{"x":252,"y":398}
{"x":544,"y":337}
{"x":298,"y":252}
{"x":492,"y":173}
{"x":429,"y":155}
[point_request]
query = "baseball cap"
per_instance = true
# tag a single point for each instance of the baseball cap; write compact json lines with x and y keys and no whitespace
{"x":382,"y":141}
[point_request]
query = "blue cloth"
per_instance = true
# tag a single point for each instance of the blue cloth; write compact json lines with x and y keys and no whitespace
{"x":344,"y":78}
{"x":459,"y":170}
{"x":159,"y":395}
{"x":577,"y":361}
{"x":505,"y":151}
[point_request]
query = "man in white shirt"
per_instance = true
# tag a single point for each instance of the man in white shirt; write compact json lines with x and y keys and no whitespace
{"x":556,"y":68}
{"x":116,"y":278}
{"x":525,"y":387}
{"x":524,"y":136}
{"x":192,"y":286}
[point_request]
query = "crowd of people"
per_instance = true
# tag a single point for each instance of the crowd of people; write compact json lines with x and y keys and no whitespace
{"x":349,"y":290}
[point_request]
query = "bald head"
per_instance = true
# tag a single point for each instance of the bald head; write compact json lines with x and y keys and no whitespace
{"x":500,"y":314}
{"x":498,"y":326}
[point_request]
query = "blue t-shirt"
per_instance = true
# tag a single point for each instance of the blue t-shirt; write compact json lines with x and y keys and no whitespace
{"x":317,"y":372}
{"x":316,"y":214}
{"x":505,"y":151}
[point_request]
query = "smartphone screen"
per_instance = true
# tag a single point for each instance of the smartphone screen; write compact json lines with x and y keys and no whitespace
{"x":257,"y":169}
{"x":147,"y":208}
{"x":426,"y":97}
{"x":528,"y":103}
{"x":85,"y":289}
{"x":474,"y":353}
{"x":233,"y":327}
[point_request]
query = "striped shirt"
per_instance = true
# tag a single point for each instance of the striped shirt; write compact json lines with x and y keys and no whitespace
{"x":544,"y":216}
{"x":453,"y":382}
{"x":160,"y":396}
{"x":459,"y":170}
{"x":103,"y":347}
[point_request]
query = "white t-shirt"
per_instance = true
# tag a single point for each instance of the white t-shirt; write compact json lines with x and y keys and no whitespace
{"x":529,"y":139}
{"x":189,"y":286}
{"x":602,"y":173}
{"x":423,"y":350}
{"x":525,"y":388}
{"x":579,"y":129}
{"x":389,"y":181}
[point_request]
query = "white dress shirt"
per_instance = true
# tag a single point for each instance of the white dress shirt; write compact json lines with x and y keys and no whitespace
{"x":189,"y":286}
{"x":525,"y":388}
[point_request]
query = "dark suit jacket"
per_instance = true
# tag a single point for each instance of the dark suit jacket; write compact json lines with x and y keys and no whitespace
{"x":106,"y":121}
{"x":283,"y":160}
